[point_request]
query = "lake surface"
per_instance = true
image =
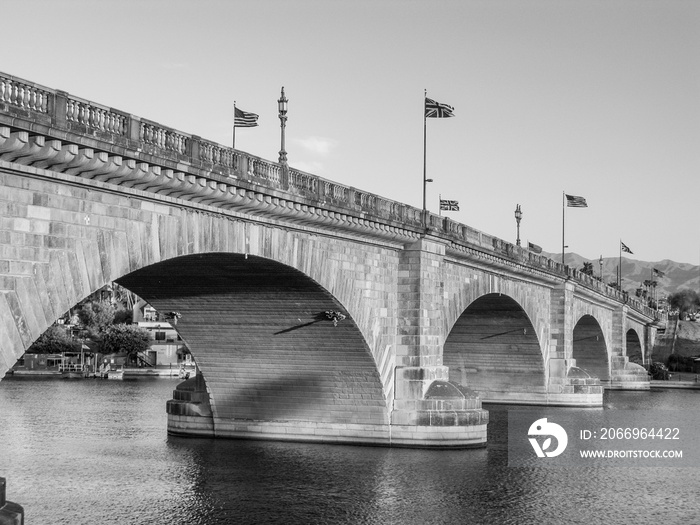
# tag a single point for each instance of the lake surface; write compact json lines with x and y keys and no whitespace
{"x":97,"y":452}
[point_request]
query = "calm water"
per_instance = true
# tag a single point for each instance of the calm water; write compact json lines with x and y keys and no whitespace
{"x":97,"y":452}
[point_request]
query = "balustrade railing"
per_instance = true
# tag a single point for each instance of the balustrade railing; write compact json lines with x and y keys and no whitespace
{"x":24,"y":94}
{"x":394,"y":210}
{"x":163,"y":138}
{"x":263,"y":172}
{"x":335,"y":193}
{"x":219,"y":155}
{"x":302,"y":183}
{"x":67,"y":111}
{"x":95,"y":116}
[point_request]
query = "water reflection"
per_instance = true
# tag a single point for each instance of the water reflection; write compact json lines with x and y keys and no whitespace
{"x":97,"y":452}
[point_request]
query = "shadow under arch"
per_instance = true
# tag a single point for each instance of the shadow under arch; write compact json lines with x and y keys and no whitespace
{"x":634,"y":347}
{"x":259,"y":333}
{"x":589,"y":348}
{"x":493,"y":348}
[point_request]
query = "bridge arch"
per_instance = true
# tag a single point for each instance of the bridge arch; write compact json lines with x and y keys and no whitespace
{"x":590,"y":349}
{"x":286,"y":359}
{"x":264,"y":338}
{"x":95,"y":236}
{"x":494,"y":349}
{"x":633,"y":346}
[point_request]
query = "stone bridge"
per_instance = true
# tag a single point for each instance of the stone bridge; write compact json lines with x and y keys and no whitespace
{"x":314,"y":311}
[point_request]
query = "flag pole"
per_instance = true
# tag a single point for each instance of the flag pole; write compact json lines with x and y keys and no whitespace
{"x":425,"y":94}
{"x":619,"y":269}
{"x":439,"y":204}
{"x":563,"y":220}
{"x":234,"y":125}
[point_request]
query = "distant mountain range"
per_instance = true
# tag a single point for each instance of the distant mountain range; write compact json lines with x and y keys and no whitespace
{"x":677,"y":276}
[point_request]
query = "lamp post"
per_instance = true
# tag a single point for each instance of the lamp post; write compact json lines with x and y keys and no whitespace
{"x":282,"y":106}
{"x":518,"y":216}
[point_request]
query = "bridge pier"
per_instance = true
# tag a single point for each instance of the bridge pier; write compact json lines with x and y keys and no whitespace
{"x":568,"y":384}
{"x":624,"y":375}
{"x":627,"y":376}
{"x":189,"y":411}
{"x":429,"y":409}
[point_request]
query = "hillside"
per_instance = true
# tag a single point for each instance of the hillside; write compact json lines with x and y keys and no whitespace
{"x":688,"y":340}
{"x":677,"y":276}
{"x":682,"y":339}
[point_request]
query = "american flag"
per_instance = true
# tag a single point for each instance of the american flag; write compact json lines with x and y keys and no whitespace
{"x":449,"y":205}
{"x":243,"y":119}
{"x":437,"y":110}
{"x":534,"y":247}
{"x":576,"y":202}
{"x":624,"y":247}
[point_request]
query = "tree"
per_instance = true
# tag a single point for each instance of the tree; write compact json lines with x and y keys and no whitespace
{"x":55,"y":340}
{"x":125,"y":338}
{"x":680,"y":363}
{"x":96,"y":316}
{"x":658,"y":371}
{"x":123,"y":316}
{"x":684,"y":301}
{"x":587,"y":268}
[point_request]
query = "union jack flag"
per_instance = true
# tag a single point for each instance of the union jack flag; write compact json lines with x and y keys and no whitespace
{"x":624,"y":247}
{"x":449,"y":205}
{"x":437,"y":109}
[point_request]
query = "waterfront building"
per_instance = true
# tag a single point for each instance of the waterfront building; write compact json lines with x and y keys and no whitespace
{"x":38,"y":364}
{"x":166,"y":347}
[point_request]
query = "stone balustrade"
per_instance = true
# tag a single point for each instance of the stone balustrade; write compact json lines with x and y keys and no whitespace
{"x":94,"y":116}
{"x":30,"y":104}
{"x":162,"y":138}
{"x":24,"y":94}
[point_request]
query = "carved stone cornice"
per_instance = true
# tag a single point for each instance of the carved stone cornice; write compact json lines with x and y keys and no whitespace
{"x":17,"y":146}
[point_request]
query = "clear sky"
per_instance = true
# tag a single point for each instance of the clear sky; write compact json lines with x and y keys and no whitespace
{"x":599,"y":99}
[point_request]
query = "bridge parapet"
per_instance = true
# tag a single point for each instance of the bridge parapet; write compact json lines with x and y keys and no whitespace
{"x":174,"y":163}
{"x":24,"y":94}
